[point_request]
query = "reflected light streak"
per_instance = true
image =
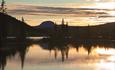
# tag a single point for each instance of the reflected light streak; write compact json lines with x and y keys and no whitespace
{"x":105,"y":51}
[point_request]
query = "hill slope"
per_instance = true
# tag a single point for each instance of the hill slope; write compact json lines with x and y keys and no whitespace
{"x":10,"y":26}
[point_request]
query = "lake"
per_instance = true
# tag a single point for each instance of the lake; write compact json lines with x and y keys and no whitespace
{"x":37,"y":55}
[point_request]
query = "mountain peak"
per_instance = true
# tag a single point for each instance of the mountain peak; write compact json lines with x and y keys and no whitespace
{"x":47,"y":24}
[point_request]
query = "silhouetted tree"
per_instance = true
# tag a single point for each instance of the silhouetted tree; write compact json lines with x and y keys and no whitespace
{"x":3,"y":7}
{"x":23,"y":19}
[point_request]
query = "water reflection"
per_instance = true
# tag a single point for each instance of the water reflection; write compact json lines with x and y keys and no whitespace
{"x":11,"y":48}
{"x":64,"y":46}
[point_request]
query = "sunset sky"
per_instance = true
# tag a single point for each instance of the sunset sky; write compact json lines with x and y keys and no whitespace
{"x":76,"y":12}
{"x":62,"y":3}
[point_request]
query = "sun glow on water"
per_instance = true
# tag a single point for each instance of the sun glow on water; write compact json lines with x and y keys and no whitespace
{"x":105,"y":51}
{"x":107,"y":59}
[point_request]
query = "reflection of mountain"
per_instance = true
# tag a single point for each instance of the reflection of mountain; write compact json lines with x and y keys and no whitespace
{"x":59,"y":45}
{"x":10,"y":49}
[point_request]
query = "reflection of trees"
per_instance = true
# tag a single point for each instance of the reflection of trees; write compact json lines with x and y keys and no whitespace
{"x":88,"y":45}
{"x":22,"y":53}
{"x":2,"y":60}
{"x":56,"y":44}
{"x":64,"y":45}
{"x":10,"y":49}
{"x":58,"y":40}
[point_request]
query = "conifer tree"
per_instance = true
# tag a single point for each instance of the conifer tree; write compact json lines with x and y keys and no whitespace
{"x":3,"y":7}
{"x":23,"y":19}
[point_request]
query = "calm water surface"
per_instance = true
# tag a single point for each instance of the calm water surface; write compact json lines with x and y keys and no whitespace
{"x":38,"y":58}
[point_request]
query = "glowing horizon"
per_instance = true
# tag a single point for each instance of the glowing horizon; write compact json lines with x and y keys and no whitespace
{"x":37,"y":11}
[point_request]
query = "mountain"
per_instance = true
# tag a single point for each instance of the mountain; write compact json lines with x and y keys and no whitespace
{"x":47,"y":24}
{"x":104,"y":31}
{"x":10,"y":26}
{"x":45,"y":28}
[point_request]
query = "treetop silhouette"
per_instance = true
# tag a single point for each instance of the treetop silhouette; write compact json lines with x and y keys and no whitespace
{"x":3,"y":7}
